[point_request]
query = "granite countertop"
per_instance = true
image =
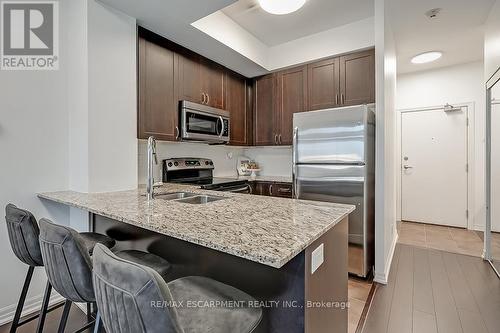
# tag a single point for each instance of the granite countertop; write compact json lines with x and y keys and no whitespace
{"x":277,"y":179}
{"x":267,"y":230}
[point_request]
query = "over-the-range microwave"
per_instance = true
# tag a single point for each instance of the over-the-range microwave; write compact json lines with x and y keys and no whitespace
{"x":203,"y":123}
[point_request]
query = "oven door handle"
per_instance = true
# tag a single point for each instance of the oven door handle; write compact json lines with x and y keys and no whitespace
{"x":245,"y":189}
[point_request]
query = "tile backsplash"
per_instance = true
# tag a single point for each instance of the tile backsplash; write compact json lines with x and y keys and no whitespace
{"x":274,"y":161}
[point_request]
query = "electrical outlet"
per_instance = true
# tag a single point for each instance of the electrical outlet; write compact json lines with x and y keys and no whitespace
{"x":317,"y":258}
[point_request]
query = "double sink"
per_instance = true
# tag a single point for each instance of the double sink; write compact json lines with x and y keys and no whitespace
{"x":187,"y":197}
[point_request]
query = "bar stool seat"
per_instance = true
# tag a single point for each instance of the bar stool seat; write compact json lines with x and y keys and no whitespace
{"x":156,"y":263}
{"x":199,"y":290}
{"x":133,"y":298}
{"x":90,"y":239}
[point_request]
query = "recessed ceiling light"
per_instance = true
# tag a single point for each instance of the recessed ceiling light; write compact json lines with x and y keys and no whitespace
{"x":426,"y":57}
{"x":281,"y":7}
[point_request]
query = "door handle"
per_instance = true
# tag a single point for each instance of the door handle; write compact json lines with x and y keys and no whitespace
{"x":406,"y":167}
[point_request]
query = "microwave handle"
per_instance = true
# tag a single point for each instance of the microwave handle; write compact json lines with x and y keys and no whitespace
{"x":222,"y":127}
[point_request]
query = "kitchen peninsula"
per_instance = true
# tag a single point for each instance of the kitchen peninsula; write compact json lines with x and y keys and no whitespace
{"x":293,"y":252}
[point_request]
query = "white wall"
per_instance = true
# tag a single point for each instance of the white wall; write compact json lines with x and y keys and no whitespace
{"x":385,"y":173}
{"x":35,"y":151}
{"x":46,"y":118}
{"x":492,"y":41}
{"x":455,"y":84}
{"x":273,"y":161}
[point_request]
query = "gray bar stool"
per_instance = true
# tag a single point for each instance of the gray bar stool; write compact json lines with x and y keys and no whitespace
{"x":23,"y":235}
{"x":69,"y":266}
{"x":134,"y":299}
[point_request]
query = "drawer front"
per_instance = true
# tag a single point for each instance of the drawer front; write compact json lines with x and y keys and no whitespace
{"x":281,"y":190}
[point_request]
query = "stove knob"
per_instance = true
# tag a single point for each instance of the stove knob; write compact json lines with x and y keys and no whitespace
{"x":211,"y":163}
{"x":206,"y":162}
{"x":176,"y":163}
{"x":169,"y":164}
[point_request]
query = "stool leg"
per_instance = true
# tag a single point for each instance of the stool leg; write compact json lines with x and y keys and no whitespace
{"x":20,"y":304}
{"x":45,"y":305}
{"x":64,"y":317}
{"x":97,"y":324}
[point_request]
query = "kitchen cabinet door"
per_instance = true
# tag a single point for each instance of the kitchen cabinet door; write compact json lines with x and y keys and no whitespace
{"x":324,"y":84}
{"x":236,"y":103}
{"x":357,"y":78}
{"x":189,"y":78}
{"x":292,"y":98}
{"x":283,"y":190}
{"x":265,"y":133}
{"x":263,"y":188}
{"x":213,"y":84}
{"x":157,"y":114}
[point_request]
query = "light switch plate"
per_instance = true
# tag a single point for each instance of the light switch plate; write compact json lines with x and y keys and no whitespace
{"x":317,"y":258}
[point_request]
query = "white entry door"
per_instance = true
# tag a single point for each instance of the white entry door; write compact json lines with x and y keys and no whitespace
{"x":434,"y":167}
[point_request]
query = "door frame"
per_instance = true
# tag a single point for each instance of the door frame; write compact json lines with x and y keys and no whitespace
{"x":470,"y":157}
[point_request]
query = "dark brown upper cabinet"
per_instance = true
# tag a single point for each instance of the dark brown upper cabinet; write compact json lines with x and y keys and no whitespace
{"x":213,"y":84}
{"x":157,"y":114}
{"x":265,"y":108}
{"x":324,"y":84}
{"x":357,"y":78}
{"x":239,"y":111}
{"x":201,"y":81}
{"x":189,"y":78}
{"x":292,"y":98}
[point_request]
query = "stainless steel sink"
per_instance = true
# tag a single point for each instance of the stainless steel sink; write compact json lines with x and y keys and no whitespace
{"x":174,"y":195}
{"x":200,"y":199}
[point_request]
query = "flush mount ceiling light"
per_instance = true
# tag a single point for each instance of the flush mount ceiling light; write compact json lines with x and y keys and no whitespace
{"x":426,"y":57}
{"x":281,"y":7}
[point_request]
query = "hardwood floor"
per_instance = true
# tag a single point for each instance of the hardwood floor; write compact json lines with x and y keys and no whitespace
{"x":76,"y":320}
{"x":436,"y":291}
{"x":359,"y":292}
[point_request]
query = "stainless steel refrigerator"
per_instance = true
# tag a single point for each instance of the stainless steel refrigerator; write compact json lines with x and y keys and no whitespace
{"x":334,"y":160}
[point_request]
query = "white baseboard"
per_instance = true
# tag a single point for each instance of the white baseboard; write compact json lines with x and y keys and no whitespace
{"x":384,"y":276}
{"x":31,"y":305}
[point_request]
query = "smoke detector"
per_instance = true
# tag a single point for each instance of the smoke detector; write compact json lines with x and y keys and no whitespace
{"x":433,"y":13}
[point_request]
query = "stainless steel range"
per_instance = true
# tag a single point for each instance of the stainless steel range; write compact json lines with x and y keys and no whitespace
{"x":199,"y":171}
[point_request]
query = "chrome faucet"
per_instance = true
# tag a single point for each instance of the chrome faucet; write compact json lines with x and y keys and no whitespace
{"x":151,"y":158}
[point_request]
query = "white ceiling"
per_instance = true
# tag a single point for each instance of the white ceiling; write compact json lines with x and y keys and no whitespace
{"x":457,"y":31}
{"x":320,"y":29}
{"x":315,"y":16}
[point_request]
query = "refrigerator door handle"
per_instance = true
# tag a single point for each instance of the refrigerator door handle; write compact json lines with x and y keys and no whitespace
{"x":295,"y":191}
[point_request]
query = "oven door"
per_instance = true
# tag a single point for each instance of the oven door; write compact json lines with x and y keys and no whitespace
{"x":203,"y":126}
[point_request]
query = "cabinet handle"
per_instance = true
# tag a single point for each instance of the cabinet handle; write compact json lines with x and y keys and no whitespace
{"x":208,"y":98}
{"x":204,"y":98}
{"x":284,"y":190}
{"x":336,"y":99}
{"x":275,"y":139}
{"x":279,"y":139}
{"x":341,"y":98}
{"x":270,"y":189}
{"x":176,"y":132}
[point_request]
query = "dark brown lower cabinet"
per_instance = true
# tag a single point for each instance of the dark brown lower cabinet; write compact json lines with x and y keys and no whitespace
{"x":272,"y":189}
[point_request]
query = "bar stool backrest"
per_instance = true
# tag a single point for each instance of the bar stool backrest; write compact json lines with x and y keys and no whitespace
{"x":131,"y":298}
{"x":23,"y":235}
{"x":67,"y":262}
